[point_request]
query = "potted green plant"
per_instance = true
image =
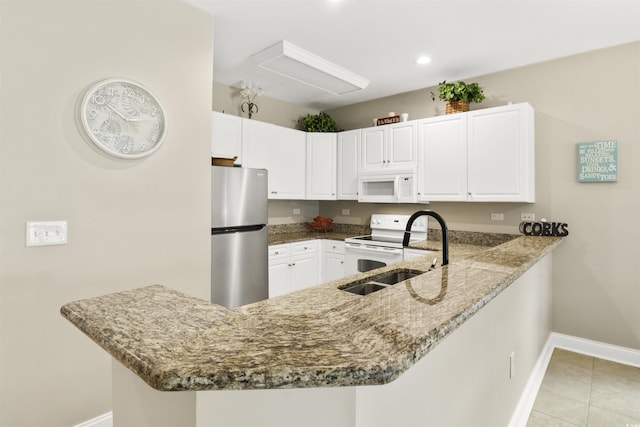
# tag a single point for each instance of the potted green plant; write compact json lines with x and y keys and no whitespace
{"x":458,"y":95}
{"x":321,"y":122}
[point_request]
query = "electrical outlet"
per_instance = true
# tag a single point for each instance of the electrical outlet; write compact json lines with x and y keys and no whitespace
{"x":527,"y":217}
{"x":42,"y":233}
{"x":345,"y":212}
{"x":296,"y":211}
{"x":497,"y":217}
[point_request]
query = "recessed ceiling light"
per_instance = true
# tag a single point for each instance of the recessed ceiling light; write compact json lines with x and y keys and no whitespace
{"x":422,"y":60}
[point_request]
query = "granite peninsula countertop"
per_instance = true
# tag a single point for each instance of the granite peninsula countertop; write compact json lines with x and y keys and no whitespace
{"x":317,"y":337}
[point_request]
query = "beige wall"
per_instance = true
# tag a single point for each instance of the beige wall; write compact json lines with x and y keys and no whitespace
{"x":227,"y":99}
{"x":131,"y":222}
{"x":588,"y":97}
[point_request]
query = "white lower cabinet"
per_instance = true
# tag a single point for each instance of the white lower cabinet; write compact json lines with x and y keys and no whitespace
{"x":279,"y":270}
{"x":292,"y":267}
{"x":333,"y":260}
{"x":300,"y":265}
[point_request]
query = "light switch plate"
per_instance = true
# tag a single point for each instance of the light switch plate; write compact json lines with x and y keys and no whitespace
{"x":42,"y":233}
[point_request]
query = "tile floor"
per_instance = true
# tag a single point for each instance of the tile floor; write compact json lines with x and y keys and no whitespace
{"x":579,"y":390}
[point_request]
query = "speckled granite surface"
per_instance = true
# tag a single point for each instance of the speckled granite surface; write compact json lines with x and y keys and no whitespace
{"x":288,"y":233}
{"x":318,"y":337}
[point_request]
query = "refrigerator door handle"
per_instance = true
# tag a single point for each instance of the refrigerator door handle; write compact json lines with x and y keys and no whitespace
{"x":238,"y":229}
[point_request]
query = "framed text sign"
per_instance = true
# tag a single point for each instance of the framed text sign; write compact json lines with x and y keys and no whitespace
{"x":598,"y":161}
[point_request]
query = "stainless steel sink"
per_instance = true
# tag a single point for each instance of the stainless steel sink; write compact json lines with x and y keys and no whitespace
{"x":380,"y":281}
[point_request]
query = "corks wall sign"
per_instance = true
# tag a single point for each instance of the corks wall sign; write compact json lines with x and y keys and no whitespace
{"x":543,"y":228}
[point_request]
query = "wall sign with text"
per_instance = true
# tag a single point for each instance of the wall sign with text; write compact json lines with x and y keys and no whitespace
{"x":598,"y":161}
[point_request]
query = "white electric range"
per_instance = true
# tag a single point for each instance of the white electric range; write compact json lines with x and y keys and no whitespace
{"x":384,"y":245}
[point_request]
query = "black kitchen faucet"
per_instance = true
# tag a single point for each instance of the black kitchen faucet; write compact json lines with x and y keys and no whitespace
{"x":443,"y":225}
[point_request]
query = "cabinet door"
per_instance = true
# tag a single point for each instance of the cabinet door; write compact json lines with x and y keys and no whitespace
{"x":334,"y":266}
{"x":304,"y":272}
{"x":348,"y":158}
{"x":321,"y":166}
{"x":501,"y":154}
{"x":373,"y":152}
{"x":279,"y":270}
{"x":401,"y":145}
{"x":279,"y":277}
{"x":259,"y":142}
{"x":226,"y":140}
{"x":442,"y":158}
{"x":289,"y":173}
{"x":304,"y":261}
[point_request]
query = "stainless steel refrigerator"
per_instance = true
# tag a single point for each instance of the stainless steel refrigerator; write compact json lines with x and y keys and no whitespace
{"x":239,"y":269}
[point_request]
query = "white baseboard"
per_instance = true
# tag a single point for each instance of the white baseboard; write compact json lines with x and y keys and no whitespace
{"x":104,"y":420}
{"x":614,"y":353}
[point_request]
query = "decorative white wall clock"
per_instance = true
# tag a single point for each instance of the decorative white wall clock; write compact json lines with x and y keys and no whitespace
{"x":123,"y":118}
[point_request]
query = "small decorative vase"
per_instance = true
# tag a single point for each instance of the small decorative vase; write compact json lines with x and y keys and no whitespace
{"x":251,"y":108}
{"x":457,"y":107}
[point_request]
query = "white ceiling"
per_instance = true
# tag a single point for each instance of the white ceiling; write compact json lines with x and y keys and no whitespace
{"x":379,"y":39}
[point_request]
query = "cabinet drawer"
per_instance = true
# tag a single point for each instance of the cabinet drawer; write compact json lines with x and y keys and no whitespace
{"x":335,"y":246}
{"x":301,"y":248}
{"x":279,"y":251}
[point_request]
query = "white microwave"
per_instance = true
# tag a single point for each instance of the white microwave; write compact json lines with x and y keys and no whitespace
{"x":388,"y":187}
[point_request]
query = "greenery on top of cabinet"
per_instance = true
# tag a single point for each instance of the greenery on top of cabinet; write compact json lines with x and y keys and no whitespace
{"x":459,"y":91}
{"x":321,"y":122}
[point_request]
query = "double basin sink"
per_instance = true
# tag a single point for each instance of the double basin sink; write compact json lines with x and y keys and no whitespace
{"x":383,"y":280}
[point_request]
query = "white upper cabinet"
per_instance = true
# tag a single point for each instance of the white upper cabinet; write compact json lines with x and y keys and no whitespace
{"x":389,"y":147}
{"x":403,"y":139}
{"x":290,"y":165}
{"x":226,"y":139}
{"x":321,"y":166}
{"x":442,"y":158}
{"x":484,"y":155}
{"x":348,"y":161}
{"x":282,"y":151}
{"x":373,"y":149}
{"x":501,"y":154}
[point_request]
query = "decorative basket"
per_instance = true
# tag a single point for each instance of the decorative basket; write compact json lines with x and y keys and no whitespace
{"x":457,"y":107}
{"x":320,"y":224}
{"x":222,"y":161}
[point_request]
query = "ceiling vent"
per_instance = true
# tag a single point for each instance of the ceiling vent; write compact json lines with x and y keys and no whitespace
{"x":298,"y":64}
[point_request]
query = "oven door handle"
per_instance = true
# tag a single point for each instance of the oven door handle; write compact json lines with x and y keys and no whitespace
{"x":373,"y":249}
